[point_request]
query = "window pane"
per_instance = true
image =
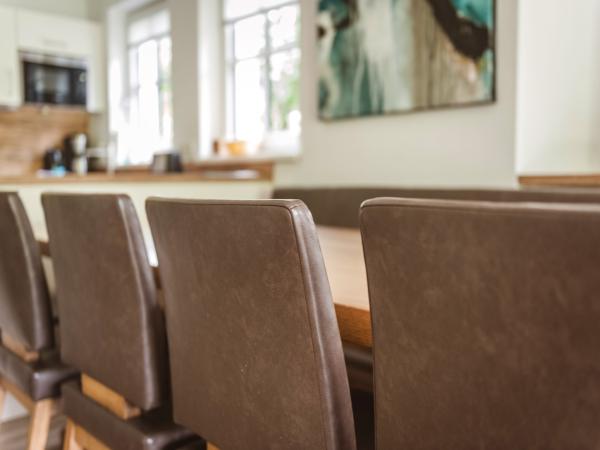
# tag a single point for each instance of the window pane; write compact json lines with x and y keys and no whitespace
{"x":134,"y":109}
{"x":133,"y":67}
{"x":250,"y":100}
{"x":285,"y":91}
{"x":148,"y":133}
{"x":284,"y":26}
{"x":229,"y":43}
{"x":230,"y":100}
{"x":165,"y":58}
{"x":148,"y":63}
{"x":166,"y":102}
{"x":149,"y":26}
{"x":149,"y":127}
{"x":126,"y":139}
{"x":249,"y":37}
{"x":262,"y":104}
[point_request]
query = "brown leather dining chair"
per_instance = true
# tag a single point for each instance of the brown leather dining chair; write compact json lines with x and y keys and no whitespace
{"x":111,"y":325}
{"x":30,"y":366}
{"x":485,"y":321}
{"x":256,"y":357}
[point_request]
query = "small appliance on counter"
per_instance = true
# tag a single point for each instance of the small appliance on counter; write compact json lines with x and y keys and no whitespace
{"x":168,"y":162}
{"x":75,"y":153}
{"x":230,"y":148}
{"x":97,"y":159}
{"x":54,"y":162}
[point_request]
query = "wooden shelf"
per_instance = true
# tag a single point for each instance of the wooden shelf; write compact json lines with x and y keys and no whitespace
{"x":583,"y":180}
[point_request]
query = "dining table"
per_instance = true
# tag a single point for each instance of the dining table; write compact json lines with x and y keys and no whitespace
{"x":344,"y":262}
{"x":345,"y":265}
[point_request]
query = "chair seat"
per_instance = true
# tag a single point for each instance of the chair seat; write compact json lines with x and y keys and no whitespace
{"x":40,"y":380}
{"x":153,"y":430}
{"x":359,"y":364}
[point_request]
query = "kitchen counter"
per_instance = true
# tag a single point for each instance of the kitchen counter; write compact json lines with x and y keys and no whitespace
{"x":139,"y":186}
{"x":231,"y":171}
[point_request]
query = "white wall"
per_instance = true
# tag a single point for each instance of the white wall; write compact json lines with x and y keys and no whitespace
{"x":75,"y":8}
{"x":469,"y":146}
{"x":185,"y":18}
{"x":97,"y":8}
{"x":559,"y":86}
{"x":212,"y":68}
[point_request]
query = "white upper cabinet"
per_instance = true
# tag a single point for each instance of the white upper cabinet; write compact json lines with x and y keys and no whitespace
{"x":54,"y":35}
{"x":10,"y":92}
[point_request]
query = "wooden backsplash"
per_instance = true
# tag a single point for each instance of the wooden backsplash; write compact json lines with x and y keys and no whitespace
{"x":26,"y":133}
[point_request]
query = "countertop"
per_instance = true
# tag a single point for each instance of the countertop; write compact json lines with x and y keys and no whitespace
{"x":211,"y":171}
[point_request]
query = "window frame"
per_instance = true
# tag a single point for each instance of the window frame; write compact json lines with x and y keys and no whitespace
{"x":132,"y":90}
{"x":231,"y":62}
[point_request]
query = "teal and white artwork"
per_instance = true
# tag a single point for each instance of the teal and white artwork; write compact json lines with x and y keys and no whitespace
{"x":386,"y":56}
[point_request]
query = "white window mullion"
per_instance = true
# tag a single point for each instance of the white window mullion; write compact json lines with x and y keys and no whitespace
{"x":147,"y":129}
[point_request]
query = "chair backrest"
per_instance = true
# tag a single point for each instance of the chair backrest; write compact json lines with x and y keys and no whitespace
{"x":110,"y":321}
{"x":256,"y":355}
{"x":339,"y":206}
{"x":485,"y":322}
{"x":25,"y":310}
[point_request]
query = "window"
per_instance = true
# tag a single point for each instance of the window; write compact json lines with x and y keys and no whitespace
{"x":263,"y":70}
{"x":148,"y":111}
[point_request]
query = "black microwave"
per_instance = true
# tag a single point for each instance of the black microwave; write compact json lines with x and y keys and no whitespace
{"x":54,"y":81}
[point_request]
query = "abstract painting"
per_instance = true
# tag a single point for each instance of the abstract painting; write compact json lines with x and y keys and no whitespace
{"x":385,"y":56}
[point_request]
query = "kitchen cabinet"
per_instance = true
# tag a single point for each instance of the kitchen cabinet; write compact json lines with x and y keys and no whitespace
{"x":53,"y":34}
{"x":10,"y":92}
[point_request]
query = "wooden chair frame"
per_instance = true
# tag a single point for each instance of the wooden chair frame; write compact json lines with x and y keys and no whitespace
{"x":76,"y":437}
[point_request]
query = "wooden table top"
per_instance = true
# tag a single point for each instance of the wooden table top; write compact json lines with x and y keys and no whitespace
{"x":344,"y":262}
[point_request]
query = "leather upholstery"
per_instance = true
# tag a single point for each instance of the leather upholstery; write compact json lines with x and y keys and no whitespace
{"x":485,"y":319}
{"x":256,"y":357}
{"x":40,"y":380}
{"x":152,"y":431}
{"x":111,"y":324}
{"x":25,"y":311}
{"x":339,"y":206}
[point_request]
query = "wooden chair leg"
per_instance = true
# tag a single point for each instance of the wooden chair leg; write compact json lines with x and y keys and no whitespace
{"x":39,"y":425}
{"x":70,"y":443}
